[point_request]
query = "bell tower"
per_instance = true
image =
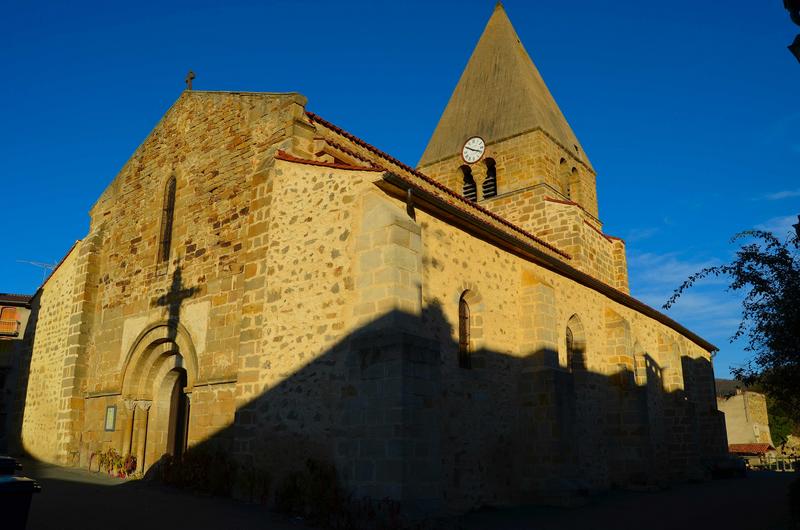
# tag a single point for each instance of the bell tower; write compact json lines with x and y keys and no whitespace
{"x":503,"y":142}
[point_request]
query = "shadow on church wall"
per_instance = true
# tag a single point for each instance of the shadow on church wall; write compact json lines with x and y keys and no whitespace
{"x":387,"y":413}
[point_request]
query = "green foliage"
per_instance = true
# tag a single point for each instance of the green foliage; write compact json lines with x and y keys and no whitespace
{"x":115,"y":464}
{"x":767,"y":270}
{"x":781,"y":424}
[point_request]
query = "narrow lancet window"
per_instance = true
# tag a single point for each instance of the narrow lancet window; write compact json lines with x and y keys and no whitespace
{"x":572,"y":186}
{"x":575,"y":345}
{"x":463,"y":333}
{"x":490,"y":182}
{"x":470,"y":189}
{"x":570,"y":349}
{"x":167,"y":215}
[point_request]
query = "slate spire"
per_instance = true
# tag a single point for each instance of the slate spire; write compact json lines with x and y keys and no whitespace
{"x":500,"y":94}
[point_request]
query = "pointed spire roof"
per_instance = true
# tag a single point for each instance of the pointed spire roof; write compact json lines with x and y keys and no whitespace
{"x":500,"y":94}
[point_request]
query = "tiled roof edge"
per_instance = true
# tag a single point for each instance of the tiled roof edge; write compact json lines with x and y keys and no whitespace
{"x":432,"y":182}
{"x":283,"y":155}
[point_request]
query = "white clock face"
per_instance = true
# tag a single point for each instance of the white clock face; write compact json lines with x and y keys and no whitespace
{"x":473,"y":150}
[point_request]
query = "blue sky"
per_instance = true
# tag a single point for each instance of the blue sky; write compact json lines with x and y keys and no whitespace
{"x":688,"y":112}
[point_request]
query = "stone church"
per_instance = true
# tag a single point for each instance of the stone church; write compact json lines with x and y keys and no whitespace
{"x":258,"y":280}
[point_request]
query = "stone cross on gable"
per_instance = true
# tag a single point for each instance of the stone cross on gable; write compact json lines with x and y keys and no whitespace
{"x":189,"y":78}
{"x":173,"y":300}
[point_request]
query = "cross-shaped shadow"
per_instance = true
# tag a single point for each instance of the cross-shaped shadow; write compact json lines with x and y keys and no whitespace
{"x":173,"y":300}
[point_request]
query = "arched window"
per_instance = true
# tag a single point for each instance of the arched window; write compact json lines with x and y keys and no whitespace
{"x":563,"y":176}
{"x":575,"y":344}
{"x":470,"y":190}
{"x":463,"y":333}
{"x":167,"y":215}
{"x":570,"y":348}
{"x":572,"y":185}
{"x":490,"y":183}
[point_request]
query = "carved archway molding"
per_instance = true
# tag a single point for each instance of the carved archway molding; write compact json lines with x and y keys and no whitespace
{"x":157,"y":347}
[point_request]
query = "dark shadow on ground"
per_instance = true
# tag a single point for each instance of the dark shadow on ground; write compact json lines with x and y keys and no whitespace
{"x":758,"y":502}
{"x":78,"y":499}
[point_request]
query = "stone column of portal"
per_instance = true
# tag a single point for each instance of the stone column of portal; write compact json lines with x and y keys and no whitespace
{"x":127,"y":434}
{"x":186,"y":423}
{"x":141,"y":442}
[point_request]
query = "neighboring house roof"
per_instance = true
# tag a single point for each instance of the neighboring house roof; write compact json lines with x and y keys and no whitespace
{"x":750,"y":449}
{"x":15,"y":299}
{"x":728,"y":387}
{"x":500,"y":95}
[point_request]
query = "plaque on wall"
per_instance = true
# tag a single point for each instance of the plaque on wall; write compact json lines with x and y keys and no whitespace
{"x":111,"y":417}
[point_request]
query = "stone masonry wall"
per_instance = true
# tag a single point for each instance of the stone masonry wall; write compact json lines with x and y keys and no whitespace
{"x":43,"y":400}
{"x":746,"y":418}
{"x":215,"y":145}
{"x":304,"y":310}
{"x":568,"y":227}
{"x":453,"y":263}
{"x":609,"y":417}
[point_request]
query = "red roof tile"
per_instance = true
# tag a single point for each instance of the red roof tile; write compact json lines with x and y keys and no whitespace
{"x":749,"y":449}
{"x":17,"y":298}
{"x":283,"y":155}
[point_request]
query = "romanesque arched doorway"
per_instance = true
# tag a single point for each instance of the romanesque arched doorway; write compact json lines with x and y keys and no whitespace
{"x":158,"y":377}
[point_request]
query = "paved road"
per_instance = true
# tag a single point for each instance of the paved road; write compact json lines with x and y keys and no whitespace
{"x":78,"y":499}
{"x":758,"y":502}
{"x":81,"y":500}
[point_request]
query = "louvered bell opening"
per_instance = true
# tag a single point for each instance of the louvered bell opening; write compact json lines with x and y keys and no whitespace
{"x":489,"y":187}
{"x":490,"y":182}
{"x":471,"y":191}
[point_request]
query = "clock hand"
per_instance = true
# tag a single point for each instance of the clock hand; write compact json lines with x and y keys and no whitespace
{"x":471,"y":149}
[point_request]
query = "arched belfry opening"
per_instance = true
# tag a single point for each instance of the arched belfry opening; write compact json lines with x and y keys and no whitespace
{"x":469,"y":188}
{"x":158,"y":376}
{"x":490,"y":182}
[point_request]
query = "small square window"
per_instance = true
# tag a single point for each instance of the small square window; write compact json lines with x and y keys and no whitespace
{"x":111,"y":417}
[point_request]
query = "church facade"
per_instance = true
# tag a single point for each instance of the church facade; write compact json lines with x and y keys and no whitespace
{"x":258,"y":280}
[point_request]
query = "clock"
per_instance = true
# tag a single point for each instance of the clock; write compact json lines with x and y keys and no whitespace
{"x":473,"y":150}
